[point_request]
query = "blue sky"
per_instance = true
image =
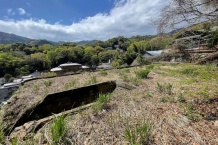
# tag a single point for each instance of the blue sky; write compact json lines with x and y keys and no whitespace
{"x":75,"y":20}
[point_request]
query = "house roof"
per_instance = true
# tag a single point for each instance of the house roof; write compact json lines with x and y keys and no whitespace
{"x":70,"y":64}
{"x":85,"y":67}
{"x":25,"y":77}
{"x":10,"y":85}
{"x":56,"y":69}
{"x":153,"y":53}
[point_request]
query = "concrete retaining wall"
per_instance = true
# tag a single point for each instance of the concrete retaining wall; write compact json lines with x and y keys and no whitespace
{"x":63,"y":101}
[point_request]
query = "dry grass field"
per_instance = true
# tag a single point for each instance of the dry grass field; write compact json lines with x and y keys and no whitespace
{"x":176,"y":104}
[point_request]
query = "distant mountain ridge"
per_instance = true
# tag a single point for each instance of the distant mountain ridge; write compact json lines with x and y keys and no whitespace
{"x":6,"y":38}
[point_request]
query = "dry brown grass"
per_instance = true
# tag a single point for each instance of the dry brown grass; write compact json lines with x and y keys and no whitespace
{"x":169,"y":120}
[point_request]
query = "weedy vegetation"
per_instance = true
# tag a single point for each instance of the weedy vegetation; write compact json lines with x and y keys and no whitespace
{"x":138,"y":134}
{"x":2,"y":134}
{"x":58,"y":130}
{"x":71,"y":84}
{"x":101,"y":102}
{"x":92,"y":80}
{"x":165,"y":88}
{"x":191,"y":113}
{"x":103,"y":73}
{"x":142,"y":74}
{"x":48,"y":83}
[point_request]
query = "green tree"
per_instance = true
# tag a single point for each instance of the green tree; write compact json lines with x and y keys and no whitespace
{"x":7,"y":77}
{"x":104,"y":56}
{"x":37,"y":61}
{"x":45,"y":48}
{"x":90,"y":52}
{"x":8,"y":63}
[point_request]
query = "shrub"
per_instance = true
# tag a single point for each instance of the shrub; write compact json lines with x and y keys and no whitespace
{"x":142,"y":73}
{"x":116,"y":63}
{"x":7,"y":77}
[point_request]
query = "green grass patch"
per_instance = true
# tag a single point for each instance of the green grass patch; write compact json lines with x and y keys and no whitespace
{"x":165,"y":88}
{"x":58,"y":129}
{"x":150,"y":67}
{"x":190,"y":81}
{"x":101,"y":102}
{"x":142,"y":73}
{"x":103,"y":73}
{"x":138,"y":134}
{"x":135,"y":80}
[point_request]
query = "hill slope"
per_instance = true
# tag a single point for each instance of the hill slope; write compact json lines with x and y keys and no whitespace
{"x":169,"y":107}
{"x":6,"y":38}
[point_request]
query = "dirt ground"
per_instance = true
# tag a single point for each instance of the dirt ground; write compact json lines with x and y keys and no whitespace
{"x":178,"y":103}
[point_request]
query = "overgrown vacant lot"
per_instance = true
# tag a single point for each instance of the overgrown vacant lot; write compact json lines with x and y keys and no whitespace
{"x":175,"y":104}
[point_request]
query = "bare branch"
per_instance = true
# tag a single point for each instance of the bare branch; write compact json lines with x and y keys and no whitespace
{"x":189,"y":11}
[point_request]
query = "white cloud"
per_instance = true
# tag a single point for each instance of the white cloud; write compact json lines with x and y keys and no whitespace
{"x":21,"y":11}
{"x":127,"y":18}
{"x":10,"y":12}
{"x":28,"y":4}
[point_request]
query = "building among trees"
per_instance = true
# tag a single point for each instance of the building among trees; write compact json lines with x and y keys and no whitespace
{"x":67,"y":68}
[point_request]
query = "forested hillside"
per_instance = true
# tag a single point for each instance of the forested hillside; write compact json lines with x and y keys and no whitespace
{"x":23,"y":58}
{"x":20,"y":58}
